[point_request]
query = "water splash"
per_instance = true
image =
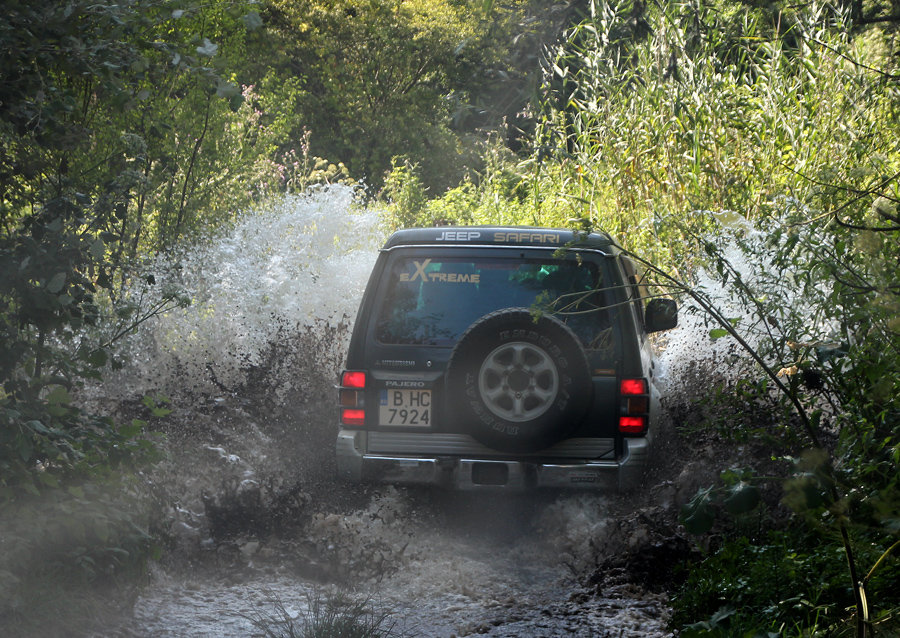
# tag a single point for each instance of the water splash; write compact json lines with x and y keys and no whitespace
{"x":297,"y":263}
{"x":759,"y":290}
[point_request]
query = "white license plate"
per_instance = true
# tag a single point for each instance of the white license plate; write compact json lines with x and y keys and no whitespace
{"x":405,"y":407}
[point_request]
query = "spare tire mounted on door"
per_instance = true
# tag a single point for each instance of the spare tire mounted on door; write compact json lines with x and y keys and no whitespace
{"x":516,"y":384}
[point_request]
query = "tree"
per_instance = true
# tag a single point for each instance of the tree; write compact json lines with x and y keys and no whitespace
{"x":379,"y":79}
{"x":89,"y":89}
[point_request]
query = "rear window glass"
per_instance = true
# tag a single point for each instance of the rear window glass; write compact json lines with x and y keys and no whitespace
{"x":433,"y":301}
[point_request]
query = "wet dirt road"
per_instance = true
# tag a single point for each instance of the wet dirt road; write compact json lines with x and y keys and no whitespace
{"x":491,"y":567}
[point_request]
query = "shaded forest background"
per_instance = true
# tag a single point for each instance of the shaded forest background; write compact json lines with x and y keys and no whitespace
{"x":706,"y":135}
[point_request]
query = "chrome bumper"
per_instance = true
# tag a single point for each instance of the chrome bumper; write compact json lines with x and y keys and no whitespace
{"x":462,"y":472}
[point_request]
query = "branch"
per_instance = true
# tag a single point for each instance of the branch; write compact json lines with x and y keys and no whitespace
{"x":889,"y":76}
{"x":190,"y":169}
{"x":860,"y":194}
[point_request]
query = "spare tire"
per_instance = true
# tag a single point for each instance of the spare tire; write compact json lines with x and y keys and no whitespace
{"x":516,"y":384}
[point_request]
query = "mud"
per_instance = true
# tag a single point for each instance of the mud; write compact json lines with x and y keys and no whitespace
{"x":434,"y":565}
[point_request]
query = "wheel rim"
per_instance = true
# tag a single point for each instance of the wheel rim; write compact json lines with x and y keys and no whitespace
{"x":518,"y":381}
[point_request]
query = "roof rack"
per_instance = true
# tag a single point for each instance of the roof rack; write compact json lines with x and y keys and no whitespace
{"x":501,"y":236}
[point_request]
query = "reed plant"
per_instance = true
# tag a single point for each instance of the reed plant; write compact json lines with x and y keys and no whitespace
{"x":706,"y":109}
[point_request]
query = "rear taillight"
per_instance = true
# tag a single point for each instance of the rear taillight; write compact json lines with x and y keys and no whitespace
{"x":632,"y":424}
{"x":633,"y":386}
{"x":353,"y":416}
{"x":351,"y":398}
{"x":635,"y":408}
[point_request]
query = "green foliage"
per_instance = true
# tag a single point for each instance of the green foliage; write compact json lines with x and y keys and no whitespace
{"x":817,"y":320}
{"x":407,"y":194}
{"x":806,"y":299}
{"x":45,"y":436}
{"x":98,"y":93}
{"x":82,"y":124}
{"x":684,"y":107}
{"x":725,"y":592}
{"x":47,"y":440}
{"x":106,"y":110}
{"x":816,"y":304}
{"x":790,"y":582}
{"x":500,"y":194}
{"x":414,"y":78}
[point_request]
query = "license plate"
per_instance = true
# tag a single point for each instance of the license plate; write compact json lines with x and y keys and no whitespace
{"x":405,"y":407}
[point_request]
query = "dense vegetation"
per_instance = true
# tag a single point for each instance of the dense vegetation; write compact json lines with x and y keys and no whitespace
{"x":749,"y":144}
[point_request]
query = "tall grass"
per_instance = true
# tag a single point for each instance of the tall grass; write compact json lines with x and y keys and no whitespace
{"x":338,"y":616}
{"x":691,"y":107}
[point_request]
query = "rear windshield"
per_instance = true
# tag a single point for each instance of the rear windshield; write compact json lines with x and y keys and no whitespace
{"x":433,"y":301}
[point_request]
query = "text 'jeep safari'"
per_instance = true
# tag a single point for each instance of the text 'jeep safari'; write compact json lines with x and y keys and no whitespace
{"x":488,"y":357}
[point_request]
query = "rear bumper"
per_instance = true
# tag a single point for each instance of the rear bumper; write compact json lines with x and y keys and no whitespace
{"x":463,"y":472}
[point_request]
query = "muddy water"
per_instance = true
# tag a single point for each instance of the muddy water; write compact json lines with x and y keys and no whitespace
{"x":434,"y":564}
{"x":442,"y":567}
{"x":256,"y":528}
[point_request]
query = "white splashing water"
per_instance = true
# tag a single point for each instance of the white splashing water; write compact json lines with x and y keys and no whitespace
{"x":304,"y":261}
{"x":789,"y":308}
{"x":301,"y":261}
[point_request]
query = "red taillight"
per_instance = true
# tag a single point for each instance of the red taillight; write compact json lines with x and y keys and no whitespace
{"x":353,"y":379}
{"x":633,"y":386}
{"x":635,"y":406}
{"x":353,"y":416}
{"x":351,"y":398}
{"x":632,"y":424}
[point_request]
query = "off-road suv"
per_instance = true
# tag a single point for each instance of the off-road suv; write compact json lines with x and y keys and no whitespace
{"x":501,"y":357}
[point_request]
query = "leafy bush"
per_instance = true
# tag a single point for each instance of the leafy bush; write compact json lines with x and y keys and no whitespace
{"x":502,"y":193}
{"x":423,"y":79}
{"x":804,"y":591}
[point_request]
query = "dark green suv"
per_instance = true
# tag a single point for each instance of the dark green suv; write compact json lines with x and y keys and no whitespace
{"x":501,"y":357}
